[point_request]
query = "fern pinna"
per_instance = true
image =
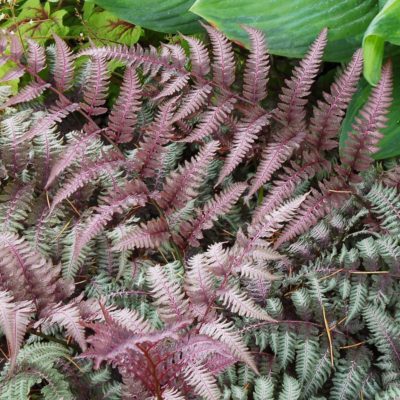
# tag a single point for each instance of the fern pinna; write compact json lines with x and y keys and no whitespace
{"x":135,"y":258}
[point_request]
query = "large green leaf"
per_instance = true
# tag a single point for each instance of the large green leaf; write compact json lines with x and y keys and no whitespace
{"x":390,"y":144}
{"x":291,"y":25}
{"x":385,"y":27}
{"x":159,"y":15}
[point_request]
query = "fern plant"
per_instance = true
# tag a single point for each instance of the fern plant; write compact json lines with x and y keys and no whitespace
{"x":135,"y":257}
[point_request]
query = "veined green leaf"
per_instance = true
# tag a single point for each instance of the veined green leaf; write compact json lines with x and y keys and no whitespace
{"x":163,"y":16}
{"x":385,"y":27}
{"x":291,"y":25}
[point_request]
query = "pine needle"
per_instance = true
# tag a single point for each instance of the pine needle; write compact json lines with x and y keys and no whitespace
{"x":328,"y":332}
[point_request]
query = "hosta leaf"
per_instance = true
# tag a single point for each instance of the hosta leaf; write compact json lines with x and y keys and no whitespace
{"x":385,"y":27}
{"x":109,"y":27}
{"x":390,"y":144}
{"x":162,"y":16}
{"x":291,"y":25}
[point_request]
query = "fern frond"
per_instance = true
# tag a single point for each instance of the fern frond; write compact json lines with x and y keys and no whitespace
{"x":123,"y":116}
{"x":386,"y":204}
{"x":291,"y":112}
{"x":202,"y":381}
{"x":96,"y":87}
{"x":239,"y":303}
{"x":150,"y":154}
{"x":149,"y":234}
{"x":314,"y":208}
{"x":69,"y":317}
{"x":54,"y":115}
{"x":349,"y":377}
{"x":290,"y":389}
{"x":77,"y":147}
{"x":64,"y":65}
{"x":193,"y":101}
{"x":223,"y":65}
{"x":131,"y":196}
{"x":199,"y":284}
{"x":363,"y":140}
{"x":212,"y":119}
{"x":29,"y":275}
{"x":27,"y":93}
{"x":110,"y":163}
{"x":307,"y":355}
{"x":199,"y":57}
{"x":15,"y":206}
{"x":213,"y":209}
{"x":224,"y":332}
{"x":358,"y":297}
{"x":263,"y":388}
{"x":286,"y":184}
{"x":255,"y":76}
{"x":170,"y":300}
{"x":14,"y":320}
{"x":15,"y":155}
{"x":245,"y":135}
{"x":286,"y":347}
{"x":182,"y":185}
{"x":36,"y":57}
{"x":328,"y":116}
{"x":274,"y":155}
{"x":172,"y":394}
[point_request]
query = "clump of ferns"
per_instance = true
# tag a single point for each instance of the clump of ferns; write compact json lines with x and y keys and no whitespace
{"x":119,"y":207}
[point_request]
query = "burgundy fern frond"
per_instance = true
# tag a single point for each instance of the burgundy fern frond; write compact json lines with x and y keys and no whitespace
{"x":74,"y":151}
{"x":212,"y":119}
{"x":150,"y":154}
{"x":15,"y":205}
{"x":175,"y":85}
{"x":363,"y":140}
{"x":96,"y":87}
{"x":25,"y":272}
{"x":245,"y":135}
{"x":182,"y":185}
{"x":64,"y":65}
{"x":286,"y":184}
{"x":329,"y":114}
{"x":172,"y":306}
{"x":147,"y":235}
{"x":131,"y":320}
{"x":27,"y":93}
{"x":68,"y":317}
{"x":14,"y":73}
{"x":108,"y":164}
{"x":172,"y":394}
{"x":333,"y":194}
{"x":224,"y":332}
{"x":55,"y":115}
{"x":199,"y":57}
{"x":14,"y":320}
{"x":36,"y":57}
{"x":123,"y":116}
{"x":274,"y":155}
{"x":199,"y":284}
{"x":191,"y":231}
{"x":238,"y":302}
{"x":203,"y":382}
{"x":192,"y":102}
{"x":291,"y":112}
{"x":16,"y":48}
{"x":223,"y":58}
{"x":133,"y":195}
{"x":255,"y":76}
